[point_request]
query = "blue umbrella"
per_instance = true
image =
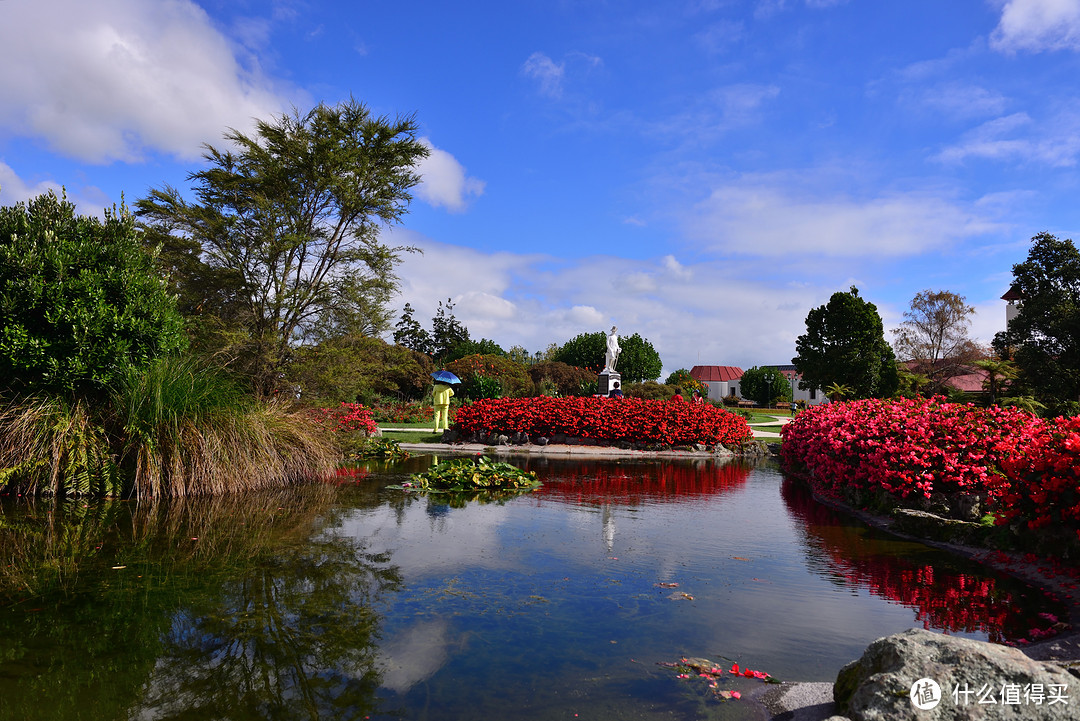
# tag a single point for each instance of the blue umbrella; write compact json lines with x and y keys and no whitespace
{"x":445,"y":377}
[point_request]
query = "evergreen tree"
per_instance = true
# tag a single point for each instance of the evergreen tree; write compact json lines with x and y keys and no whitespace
{"x":845,"y":345}
{"x":410,"y":334}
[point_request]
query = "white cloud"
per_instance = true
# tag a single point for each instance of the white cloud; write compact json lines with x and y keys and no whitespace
{"x":1019,"y":138}
{"x":1038,"y":25}
{"x":116,"y":79}
{"x":958,"y":101}
{"x":547,"y":73}
{"x":769,"y":219}
{"x":13,"y":189}
{"x":445,"y":183}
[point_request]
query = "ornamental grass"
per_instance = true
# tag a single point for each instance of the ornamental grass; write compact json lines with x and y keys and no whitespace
{"x":173,"y":428}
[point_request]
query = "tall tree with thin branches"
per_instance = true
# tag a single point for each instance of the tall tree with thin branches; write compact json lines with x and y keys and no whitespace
{"x":291,"y":215}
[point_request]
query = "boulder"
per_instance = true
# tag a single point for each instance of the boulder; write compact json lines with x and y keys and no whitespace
{"x":969,"y":675}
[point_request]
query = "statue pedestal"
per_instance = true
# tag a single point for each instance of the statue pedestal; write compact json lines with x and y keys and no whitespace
{"x":606,"y":381}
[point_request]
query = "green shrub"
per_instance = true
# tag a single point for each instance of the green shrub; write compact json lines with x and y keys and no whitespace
{"x":563,"y":379}
{"x":649,"y":390}
{"x":513,"y":376}
{"x":80,"y":301}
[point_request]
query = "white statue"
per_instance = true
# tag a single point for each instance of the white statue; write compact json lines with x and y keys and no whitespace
{"x":612,"y":354}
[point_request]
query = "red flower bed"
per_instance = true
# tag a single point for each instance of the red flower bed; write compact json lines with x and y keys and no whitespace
{"x":907,"y":447}
{"x":608,"y":419}
{"x":348,"y":417}
{"x":1045,"y":480}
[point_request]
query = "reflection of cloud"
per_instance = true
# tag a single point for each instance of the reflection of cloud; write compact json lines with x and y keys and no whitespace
{"x":414,"y":655}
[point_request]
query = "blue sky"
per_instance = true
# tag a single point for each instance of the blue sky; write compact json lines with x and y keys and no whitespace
{"x":701,"y":172}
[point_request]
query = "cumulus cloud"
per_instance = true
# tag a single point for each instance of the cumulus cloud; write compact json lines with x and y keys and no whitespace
{"x":765,"y":219}
{"x":444,"y":182}
{"x":117,"y":79}
{"x":1037,"y":25}
{"x":13,"y":189}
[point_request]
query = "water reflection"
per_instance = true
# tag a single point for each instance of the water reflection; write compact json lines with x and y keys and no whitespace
{"x":631,"y":483}
{"x":252,"y":607}
{"x":943,"y":597}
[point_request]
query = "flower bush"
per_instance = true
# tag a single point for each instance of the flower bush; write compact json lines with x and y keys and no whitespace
{"x":908,"y":448}
{"x":1044,"y":489}
{"x":607,"y":419}
{"x":389,"y":411}
{"x":349,"y":417}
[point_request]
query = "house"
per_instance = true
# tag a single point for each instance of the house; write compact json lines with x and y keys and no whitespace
{"x":723,"y":381}
{"x":811,"y":396}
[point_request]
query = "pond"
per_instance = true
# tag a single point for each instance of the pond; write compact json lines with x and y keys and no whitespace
{"x":356,"y":601}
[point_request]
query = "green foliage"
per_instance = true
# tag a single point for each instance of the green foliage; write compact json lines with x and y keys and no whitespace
{"x":80,"y":301}
{"x":649,"y":390}
{"x":381,"y":448}
{"x":638,"y":360}
{"x":447,"y":332}
{"x":845,"y":344}
{"x":479,"y":386}
{"x":1044,"y":337}
{"x":686,"y":382}
{"x":286,"y":227}
{"x":475,"y":347}
{"x":556,"y":378}
{"x":512,"y":377}
{"x":410,"y":333}
{"x":765,"y":385}
{"x":467,"y":474}
{"x":357,"y":369}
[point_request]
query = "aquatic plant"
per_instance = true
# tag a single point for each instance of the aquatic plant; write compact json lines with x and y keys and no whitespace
{"x":473,"y":474}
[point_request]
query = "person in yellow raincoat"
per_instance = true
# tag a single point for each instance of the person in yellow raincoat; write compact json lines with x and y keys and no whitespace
{"x":442,"y":394}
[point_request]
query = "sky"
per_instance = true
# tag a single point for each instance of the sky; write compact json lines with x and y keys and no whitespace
{"x":700,"y":172}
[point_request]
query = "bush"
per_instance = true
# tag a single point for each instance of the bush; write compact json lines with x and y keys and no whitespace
{"x":358,"y":369}
{"x":649,"y":390}
{"x":607,"y":419}
{"x":909,"y":449}
{"x":513,"y":377}
{"x":80,"y":301}
{"x":559,"y":378}
{"x":1044,"y":492}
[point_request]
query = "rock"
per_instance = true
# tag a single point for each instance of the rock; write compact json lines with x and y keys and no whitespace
{"x":878,"y":687}
{"x":541,"y":440}
{"x":928,"y":525}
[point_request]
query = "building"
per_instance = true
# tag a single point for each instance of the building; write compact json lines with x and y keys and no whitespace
{"x":723,"y":381}
{"x":811,"y":396}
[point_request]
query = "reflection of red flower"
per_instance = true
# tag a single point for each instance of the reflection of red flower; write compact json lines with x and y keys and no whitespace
{"x":598,"y":482}
{"x":943,"y":599}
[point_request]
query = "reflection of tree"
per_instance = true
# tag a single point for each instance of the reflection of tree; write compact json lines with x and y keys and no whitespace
{"x":244,"y":607}
{"x":601,"y":482}
{"x":944,"y":598}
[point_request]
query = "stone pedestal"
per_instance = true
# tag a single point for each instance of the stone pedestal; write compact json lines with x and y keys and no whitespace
{"x":606,"y":381}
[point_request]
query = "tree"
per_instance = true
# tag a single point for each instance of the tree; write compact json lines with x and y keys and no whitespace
{"x":765,"y":385}
{"x":81,"y":303}
{"x":998,"y":373}
{"x":447,"y":332}
{"x":475,"y":347}
{"x":845,"y":344}
{"x":933,"y":339}
{"x":638,"y":360}
{"x":1044,"y":337}
{"x":686,"y":382}
{"x":410,"y":334}
{"x":358,"y":369}
{"x":293,"y":215}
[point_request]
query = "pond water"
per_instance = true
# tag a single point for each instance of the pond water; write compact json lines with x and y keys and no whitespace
{"x":356,"y":601}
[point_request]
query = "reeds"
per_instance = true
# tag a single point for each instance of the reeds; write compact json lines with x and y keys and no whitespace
{"x":176,"y":427}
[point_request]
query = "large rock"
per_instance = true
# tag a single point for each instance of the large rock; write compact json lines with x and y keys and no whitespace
{"x":878,"y":687}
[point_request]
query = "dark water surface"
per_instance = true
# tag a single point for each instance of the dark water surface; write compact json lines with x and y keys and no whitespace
{"x":355,"y":601}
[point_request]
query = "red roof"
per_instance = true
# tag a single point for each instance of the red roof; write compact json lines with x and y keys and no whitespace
{"x":716,"y":373}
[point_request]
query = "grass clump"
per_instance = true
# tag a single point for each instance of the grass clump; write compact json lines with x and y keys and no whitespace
{"x":174,"y":427}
